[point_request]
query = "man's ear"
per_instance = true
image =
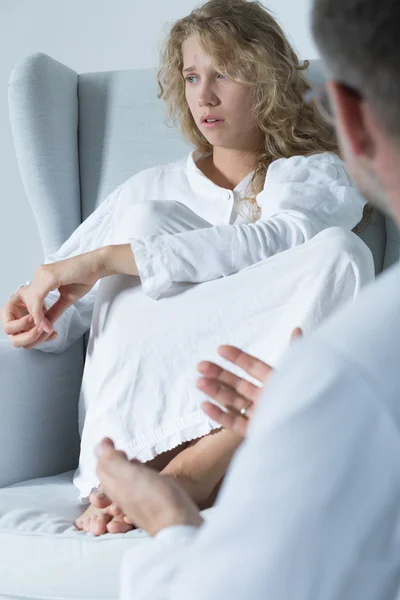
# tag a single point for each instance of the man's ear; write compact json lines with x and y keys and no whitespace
{"x":352,"y":119}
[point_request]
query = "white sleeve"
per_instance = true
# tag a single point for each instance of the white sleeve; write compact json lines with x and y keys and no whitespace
{"x":309,"y":507}
{"x":301,"y":197}
{"x":147,"y":571}
{"x":95,"y":232}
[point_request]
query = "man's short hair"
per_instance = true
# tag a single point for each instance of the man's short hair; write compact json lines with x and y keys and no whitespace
{"x":360,"y":43}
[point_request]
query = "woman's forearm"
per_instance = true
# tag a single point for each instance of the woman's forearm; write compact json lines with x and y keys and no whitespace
{"x":117,"y":260}
{"x":201,"y":466}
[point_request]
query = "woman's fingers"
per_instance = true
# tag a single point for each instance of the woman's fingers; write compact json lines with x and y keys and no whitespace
{"x":58,"y":308}
{"x":33,"y":303}
{"x":35,"y":306}
{"x":243,"y":387}
{"x":21,"y":330}
{"x":45,"y":337}
{"x":11,"y":311}
{"x":230,"y":420}
{"x":253,"y":366}
{"x":18,"y":325}
{"x":31,"y":339}
{"x":23,"y":340}
{"x":37,"y":312}
{"x":34,"y":295}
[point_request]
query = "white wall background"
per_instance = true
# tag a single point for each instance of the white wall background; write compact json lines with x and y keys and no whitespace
{"x":86,"y":35}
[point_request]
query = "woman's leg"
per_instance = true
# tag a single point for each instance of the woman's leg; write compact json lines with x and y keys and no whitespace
{"x":152,"y":217}
{"x":263,"y":304}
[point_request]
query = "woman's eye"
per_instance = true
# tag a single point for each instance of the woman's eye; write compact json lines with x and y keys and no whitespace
{"x":221,"y":76}
{"x":191,"y":78}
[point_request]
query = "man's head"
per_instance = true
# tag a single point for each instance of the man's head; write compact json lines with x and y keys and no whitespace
{"x":360,"y":43}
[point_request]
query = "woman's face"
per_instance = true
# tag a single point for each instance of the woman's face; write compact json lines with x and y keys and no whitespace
{"x":220,"y":107}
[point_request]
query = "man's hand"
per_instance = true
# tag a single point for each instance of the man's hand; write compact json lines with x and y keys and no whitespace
{"x":149,"y":500}
{"x":238,"y":396}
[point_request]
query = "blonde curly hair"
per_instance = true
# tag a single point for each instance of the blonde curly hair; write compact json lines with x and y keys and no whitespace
{"x":248,"y":46}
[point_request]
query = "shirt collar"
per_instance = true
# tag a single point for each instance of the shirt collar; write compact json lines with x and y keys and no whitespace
{"x":194,"y":171}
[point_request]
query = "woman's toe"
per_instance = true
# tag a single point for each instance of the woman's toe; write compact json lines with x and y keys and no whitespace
{"x":98,"y":523}
{"x":99,"y":499}
{"x":118,"y":525}
{"x":85,"y":524}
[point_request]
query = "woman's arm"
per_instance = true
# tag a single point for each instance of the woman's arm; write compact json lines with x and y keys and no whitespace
{"x":302,"y":196}
{"x":202,"y":465}
{"x":74,"y":320}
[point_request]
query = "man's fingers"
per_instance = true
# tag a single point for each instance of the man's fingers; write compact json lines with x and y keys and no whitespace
{"x":297,"y":333}
{"x":243,"y":387}
{"x":253,"y":366}
{"x":128,"y":520}
{"x":224,"y":394}
{"x":230,"y":420}
{"x":18,"y":325}
{"x":114,"y":510}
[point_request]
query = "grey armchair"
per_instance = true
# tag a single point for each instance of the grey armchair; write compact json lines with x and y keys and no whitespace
{"x":77,"y":137}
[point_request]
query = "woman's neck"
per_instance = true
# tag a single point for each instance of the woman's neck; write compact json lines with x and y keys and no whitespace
{"x":226,"y":167}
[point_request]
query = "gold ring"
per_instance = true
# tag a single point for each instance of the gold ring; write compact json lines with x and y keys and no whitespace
{"x":244,"y":409}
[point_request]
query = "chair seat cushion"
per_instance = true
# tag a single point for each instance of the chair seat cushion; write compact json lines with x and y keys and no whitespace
{"x":43,"y":555}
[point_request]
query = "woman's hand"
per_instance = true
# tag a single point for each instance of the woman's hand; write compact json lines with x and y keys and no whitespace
{"x":235,"y":394}
{"x":74,"y":278}
{"x":18,"y":324}
{"x":149,"y":500}
{"x":24,"y":316}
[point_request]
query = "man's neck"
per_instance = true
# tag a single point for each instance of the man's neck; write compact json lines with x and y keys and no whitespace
{"x":227,"y":167}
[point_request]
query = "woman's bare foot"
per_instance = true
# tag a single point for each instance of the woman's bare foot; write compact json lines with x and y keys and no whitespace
{"x":102,"y":517}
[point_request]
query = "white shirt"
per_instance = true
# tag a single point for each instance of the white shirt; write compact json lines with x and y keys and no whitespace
{"x":310,"y":508}
{"x":301,"y":197}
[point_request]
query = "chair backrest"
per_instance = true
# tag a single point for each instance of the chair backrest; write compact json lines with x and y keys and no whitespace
{"x":79,"y":136}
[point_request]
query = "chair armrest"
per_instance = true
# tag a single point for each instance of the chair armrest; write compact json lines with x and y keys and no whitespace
{"x":39,"y":412}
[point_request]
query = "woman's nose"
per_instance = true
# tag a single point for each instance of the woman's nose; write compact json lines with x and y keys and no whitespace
{"x":207,"y":97}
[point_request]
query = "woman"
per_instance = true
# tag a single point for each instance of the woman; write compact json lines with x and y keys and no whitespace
{"x":265,"y":177}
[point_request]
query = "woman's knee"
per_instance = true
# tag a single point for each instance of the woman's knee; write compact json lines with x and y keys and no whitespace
{"x":337,"y":240}
{"x":336,"y":243}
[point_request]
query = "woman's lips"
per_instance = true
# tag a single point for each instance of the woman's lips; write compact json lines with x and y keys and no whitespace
{"x":212,"y":124}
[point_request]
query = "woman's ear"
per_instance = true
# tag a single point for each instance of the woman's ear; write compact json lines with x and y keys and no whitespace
{"x":354,"y":125}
